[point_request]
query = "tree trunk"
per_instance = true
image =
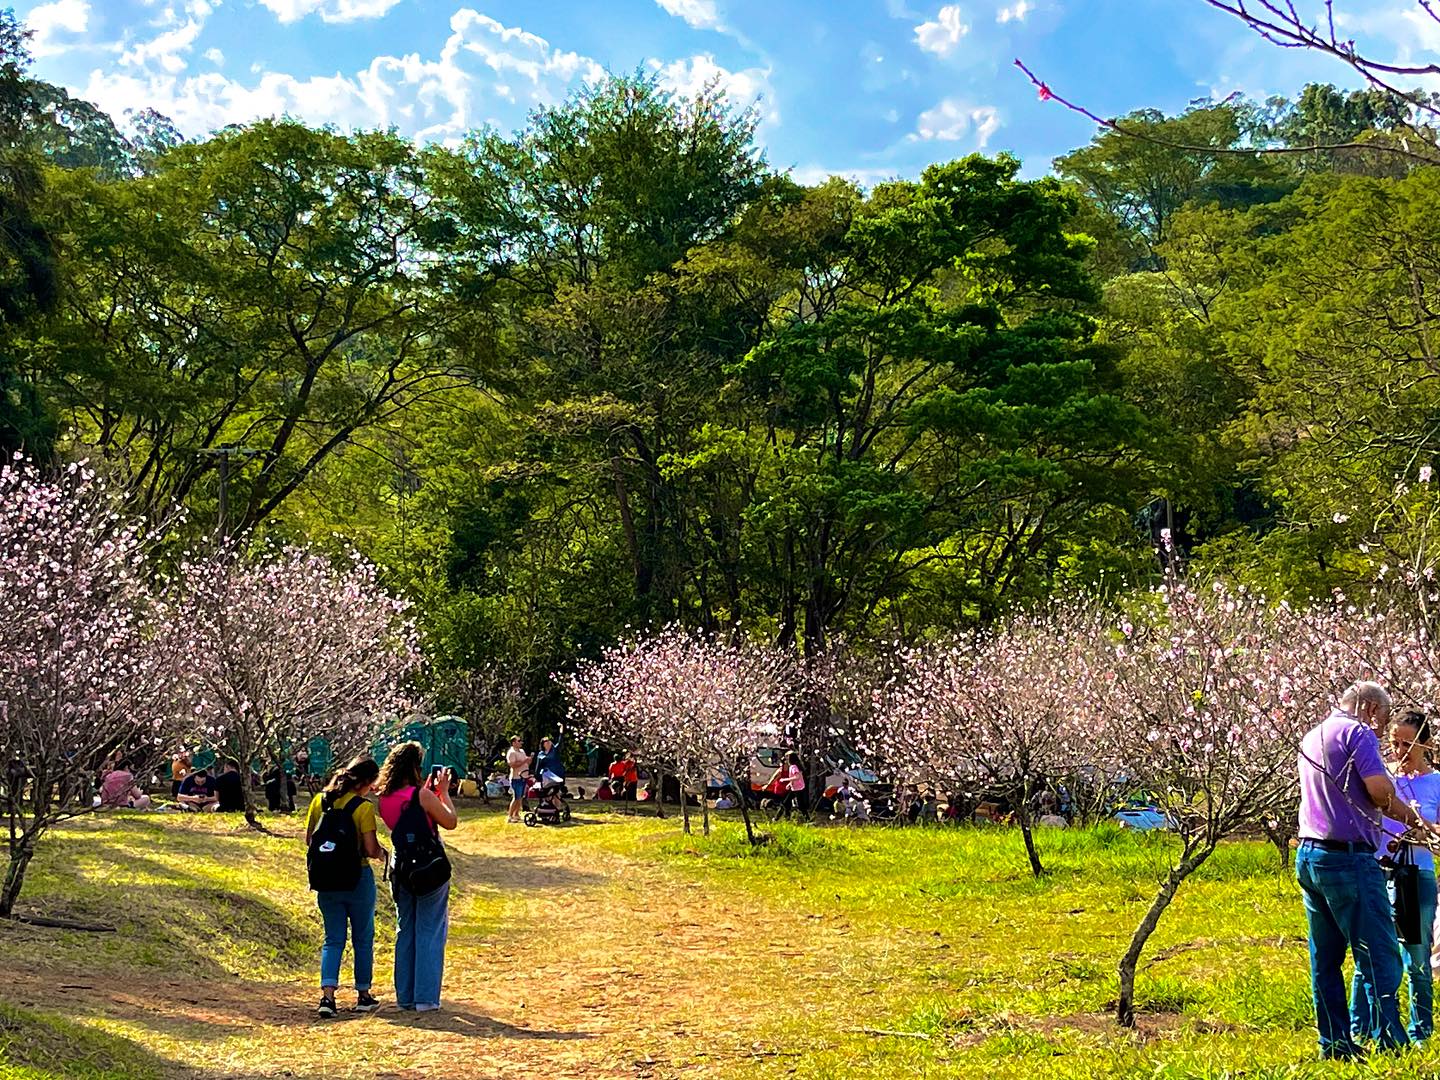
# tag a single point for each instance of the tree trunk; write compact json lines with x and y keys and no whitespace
{"x":704,"y":814}
{"x":1125,"y":1002}
{"x":1028,"y":832}
{"x":1282,"y":846}
{"x":684,"y":809}
{"x":15,"y":874}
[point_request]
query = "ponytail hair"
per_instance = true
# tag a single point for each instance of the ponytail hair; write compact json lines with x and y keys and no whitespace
{"x":360,"y":771}
{"x":401,"y":768}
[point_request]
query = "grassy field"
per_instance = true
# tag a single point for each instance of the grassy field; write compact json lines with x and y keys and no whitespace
{"x":619,"y":948}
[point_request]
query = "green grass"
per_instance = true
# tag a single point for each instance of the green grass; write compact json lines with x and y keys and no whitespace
{"x":43,"y":1047}
{"x":868,"y":951}
{"x":944,"y":933}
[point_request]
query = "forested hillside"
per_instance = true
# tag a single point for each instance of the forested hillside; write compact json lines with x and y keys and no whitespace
{"x":615,"y":370}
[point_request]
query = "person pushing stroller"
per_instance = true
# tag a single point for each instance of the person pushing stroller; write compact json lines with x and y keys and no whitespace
{"x":549,"y":791}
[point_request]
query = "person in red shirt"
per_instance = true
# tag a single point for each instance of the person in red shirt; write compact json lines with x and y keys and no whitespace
{"x":625,"y":776}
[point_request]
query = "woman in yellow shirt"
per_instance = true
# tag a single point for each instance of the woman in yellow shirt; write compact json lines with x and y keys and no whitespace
{"x":343,"y":910}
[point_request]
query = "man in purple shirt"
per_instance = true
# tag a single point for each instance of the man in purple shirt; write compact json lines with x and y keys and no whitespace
{"x":1344,"y":789}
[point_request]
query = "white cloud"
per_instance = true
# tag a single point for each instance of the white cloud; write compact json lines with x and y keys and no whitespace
{"x":952,"y":120}
{"x":942,"y":35}
{"x":60,"y":17}
{"x":331,"y":11}
{"x":701,"y":14}
{"x":811,"y":175}
{"x":215,"y":56}
{"x":439,"y":97}
{"x":1016,"y":12}
{"x":1410,"y":36}
{"x":166,"y":50}
{"x":750,"y":86}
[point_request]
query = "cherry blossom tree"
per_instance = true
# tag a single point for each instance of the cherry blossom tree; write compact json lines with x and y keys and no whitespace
{"x":1001,"y":712}
{"x":688,"y":701}
{"x":87,"y":668}
{"x":286,"y":646}
{"x":1203,"y":704}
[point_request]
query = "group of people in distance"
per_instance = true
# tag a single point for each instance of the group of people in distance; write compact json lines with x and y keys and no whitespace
{"x":341,"y":830}
{"x":190,"y":789}
{"x":1363,"y":822}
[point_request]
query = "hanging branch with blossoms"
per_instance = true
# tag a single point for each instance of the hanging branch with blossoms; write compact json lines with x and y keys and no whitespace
{"x":287,"y":646}
{"x":87,"y":667}
{"x":1281,"y":23}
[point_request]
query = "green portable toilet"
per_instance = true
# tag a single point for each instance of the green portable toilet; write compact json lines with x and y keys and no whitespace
{"x":446,"y":740}
{"x":322,"y":757}
{"x":449,"y":744}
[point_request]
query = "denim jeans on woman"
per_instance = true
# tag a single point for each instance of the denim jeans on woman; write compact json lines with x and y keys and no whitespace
{"x":424,"y":924}
{"x":1347,"y":907}
{"x":352,"y":911}
{"x":1416,"y":961}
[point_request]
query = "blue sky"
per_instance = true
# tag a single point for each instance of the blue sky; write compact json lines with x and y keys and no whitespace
{"x":865,"y":88}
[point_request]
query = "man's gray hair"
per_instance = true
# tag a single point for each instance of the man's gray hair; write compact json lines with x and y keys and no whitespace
{"x":1365,"y":693}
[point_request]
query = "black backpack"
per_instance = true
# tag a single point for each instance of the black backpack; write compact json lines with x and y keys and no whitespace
{"x":421,"y":865}
{"x":333,"y":859}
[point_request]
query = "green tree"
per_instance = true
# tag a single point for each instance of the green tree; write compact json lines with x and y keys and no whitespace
{"x":1333,"y":333}
{"x":931,"y":399}
{"x":267,"y":290}
{"x":1146,"y":174}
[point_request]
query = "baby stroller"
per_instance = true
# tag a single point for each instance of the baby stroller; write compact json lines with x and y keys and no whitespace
{"x":550,"y":805}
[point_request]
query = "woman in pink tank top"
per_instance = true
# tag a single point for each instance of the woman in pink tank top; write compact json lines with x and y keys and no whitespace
{"x":423,"y":922}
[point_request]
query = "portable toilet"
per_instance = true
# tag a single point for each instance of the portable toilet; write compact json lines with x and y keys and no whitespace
{"x":449,"y":744}
{"x":322,"y":757}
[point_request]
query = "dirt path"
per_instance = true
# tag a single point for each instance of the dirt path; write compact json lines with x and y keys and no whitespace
{"x":602,"y":967}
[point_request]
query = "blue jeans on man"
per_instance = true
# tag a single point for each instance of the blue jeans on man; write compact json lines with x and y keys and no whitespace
{"x":423,"y":926}
{"x":1347,"y":907}
{"x":1416,"y":961}
{"x":352,"y":911}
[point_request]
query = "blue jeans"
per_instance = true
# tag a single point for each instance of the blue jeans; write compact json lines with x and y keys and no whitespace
{"x":1416,"y":961}
{"x":424,"y":923}
{"x":352,"y":911}
{"x":1347,"y":906}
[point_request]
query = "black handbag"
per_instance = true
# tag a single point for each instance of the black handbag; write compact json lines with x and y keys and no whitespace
{"x":421,"y":865}
{"x":1405,"y":896}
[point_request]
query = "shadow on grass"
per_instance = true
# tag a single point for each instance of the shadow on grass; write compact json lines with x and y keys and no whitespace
{"x":42,"y":1046}
{"x":474,"y":1025}
{"x":509,"y":872}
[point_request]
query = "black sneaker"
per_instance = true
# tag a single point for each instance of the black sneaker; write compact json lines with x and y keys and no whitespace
{"x":366,"y":1002}
{"x":327,"y":1007}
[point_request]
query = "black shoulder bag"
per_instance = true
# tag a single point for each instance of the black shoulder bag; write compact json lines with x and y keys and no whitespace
{"x":421,"y":865}
{"x":1405,"y":896}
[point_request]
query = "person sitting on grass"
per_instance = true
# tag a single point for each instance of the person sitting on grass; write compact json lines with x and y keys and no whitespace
{"x":624,"y":776}
{"x":119,"y":789}
{"x":230,"y":788}
{"x":197,"y":792}
{"x":179,"y":769}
